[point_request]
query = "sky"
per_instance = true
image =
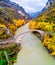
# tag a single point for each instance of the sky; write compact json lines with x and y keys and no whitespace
{"x":31,"y":6}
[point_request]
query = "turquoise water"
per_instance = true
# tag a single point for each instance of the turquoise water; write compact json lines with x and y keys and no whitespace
{"x":32,"y":52}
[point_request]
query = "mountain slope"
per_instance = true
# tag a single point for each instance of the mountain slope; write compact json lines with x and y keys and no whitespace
{"x":36,"y":14}
{"x":48,"y":15}
{"x":46,"y":22}
{"x":14,"y":8}
{"x":10,"y":11}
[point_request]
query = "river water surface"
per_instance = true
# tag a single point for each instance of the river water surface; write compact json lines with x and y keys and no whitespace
{"x":32,"y":52}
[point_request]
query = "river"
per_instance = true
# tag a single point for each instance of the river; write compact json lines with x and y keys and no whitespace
{"x":32,"y":52}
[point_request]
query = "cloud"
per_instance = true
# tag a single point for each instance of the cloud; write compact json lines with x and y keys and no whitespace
{"x":31,"y":5}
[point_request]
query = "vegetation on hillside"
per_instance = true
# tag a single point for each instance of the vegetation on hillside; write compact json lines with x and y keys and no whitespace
{"x":8,"y":54}
{"x":10,"y":17}
{"x":10,"y":20}
{"x":45,"y":26}
{"x":5,"y":33}
{"x":10,"y":28}
{"x":46,"y":22}
{"x":49,"y":42}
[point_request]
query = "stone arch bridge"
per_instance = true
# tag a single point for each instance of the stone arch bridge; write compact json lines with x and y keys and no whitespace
{"x":8,"y":42}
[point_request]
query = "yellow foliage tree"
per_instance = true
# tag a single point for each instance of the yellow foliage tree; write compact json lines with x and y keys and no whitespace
{"x":2,"y":25}
{"x":19,"y":22}
{"x":33,"y":25}
{"x":11,"y":26}
{"x":46,"y":26}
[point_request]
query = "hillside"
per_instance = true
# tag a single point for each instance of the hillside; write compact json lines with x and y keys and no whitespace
{"x":11,"y":16}
{"x":46,"y":22}
{"x":48,"y":15}
{"x":14,"y":9}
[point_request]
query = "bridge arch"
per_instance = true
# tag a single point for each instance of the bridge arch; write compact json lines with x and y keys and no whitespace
{"x":17,"y":39}
{"x":39,"y":33}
